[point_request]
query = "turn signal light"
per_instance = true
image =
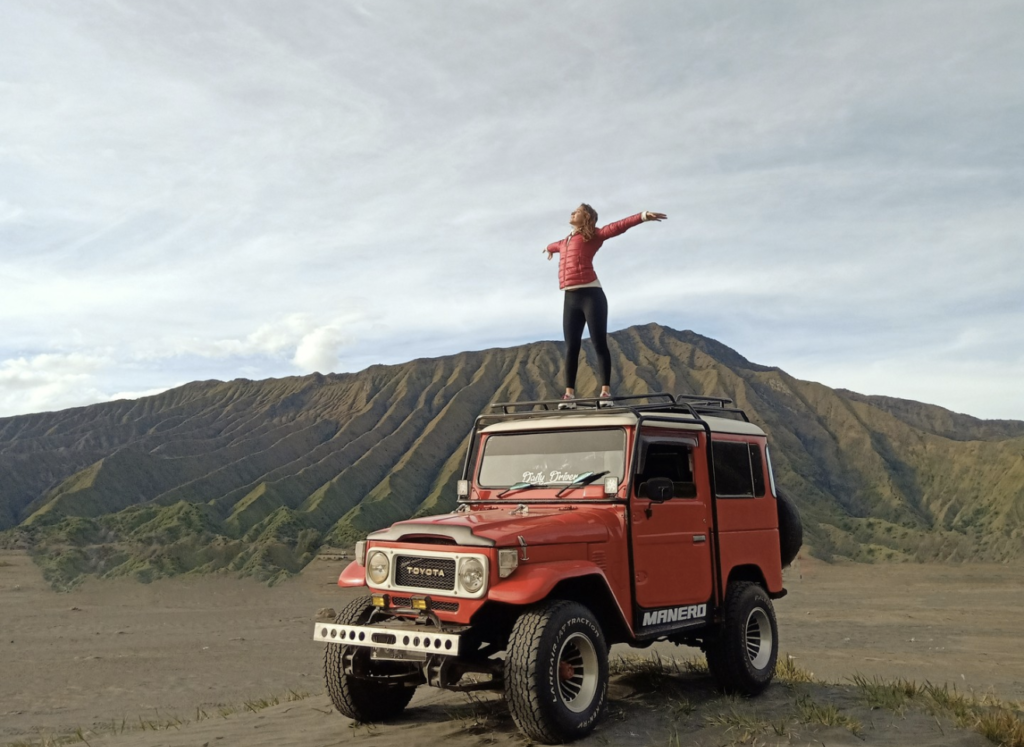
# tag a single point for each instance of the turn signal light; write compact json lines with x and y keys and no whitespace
{"x":508,"y":561}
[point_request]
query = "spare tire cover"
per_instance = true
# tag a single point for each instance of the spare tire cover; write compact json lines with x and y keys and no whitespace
{"x":791,"y":529}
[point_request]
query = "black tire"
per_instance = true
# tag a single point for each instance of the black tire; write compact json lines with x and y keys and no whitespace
{"x":742,"y":657}
{"x":361,"y":698}
{"x":556,"y":672}
{"x":791,"y":529}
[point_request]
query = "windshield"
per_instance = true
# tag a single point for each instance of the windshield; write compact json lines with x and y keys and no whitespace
{"x":551,"y":457}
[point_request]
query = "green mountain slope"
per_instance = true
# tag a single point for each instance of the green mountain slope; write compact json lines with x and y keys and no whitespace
{"x":253,"y":476}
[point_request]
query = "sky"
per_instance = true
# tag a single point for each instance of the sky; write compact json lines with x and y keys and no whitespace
{"x":196,"y":190}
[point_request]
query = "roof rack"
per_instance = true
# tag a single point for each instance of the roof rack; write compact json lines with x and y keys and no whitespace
{"x":653,"y":398}
{"x":693,"y":405}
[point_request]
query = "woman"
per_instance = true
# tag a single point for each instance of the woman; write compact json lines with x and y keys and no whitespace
{"x":585,"y":302}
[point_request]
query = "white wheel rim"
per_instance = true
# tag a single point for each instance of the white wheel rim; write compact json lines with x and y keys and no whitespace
{"x":577,"y":691}
{"x":758,"y":638}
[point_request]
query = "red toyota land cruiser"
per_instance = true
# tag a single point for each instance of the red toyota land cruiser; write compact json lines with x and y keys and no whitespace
{"x":654,"y":519}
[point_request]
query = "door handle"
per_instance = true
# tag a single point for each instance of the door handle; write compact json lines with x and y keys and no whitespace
{"x":699,"y":538}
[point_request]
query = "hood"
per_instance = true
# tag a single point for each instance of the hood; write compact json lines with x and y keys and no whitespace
{"x":500,"y":527}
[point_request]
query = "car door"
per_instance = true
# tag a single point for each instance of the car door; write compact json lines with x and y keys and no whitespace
{"x":671,"y":540}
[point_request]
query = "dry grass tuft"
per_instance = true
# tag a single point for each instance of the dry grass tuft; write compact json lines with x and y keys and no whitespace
{"x":1002,"y":726}
{"x":788,"y":673}
{"x":657,"y":666}
{"x":745,"y":726}
{"x":811,"y":712}
{"x":998,"y":722}
{"x":892,"y":695}
{"x":695,"y":665}
{"x":951,"y":703}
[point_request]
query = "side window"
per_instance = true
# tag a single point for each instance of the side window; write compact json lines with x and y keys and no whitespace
{"x":733,"y":475}
{"x":671,"y":460}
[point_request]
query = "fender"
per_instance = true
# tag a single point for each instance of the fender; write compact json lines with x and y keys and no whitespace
{"x":353,"y":575}
{"x":531,"y":583}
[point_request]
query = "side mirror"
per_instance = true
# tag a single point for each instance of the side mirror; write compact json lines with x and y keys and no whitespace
{"x":659,"y":489}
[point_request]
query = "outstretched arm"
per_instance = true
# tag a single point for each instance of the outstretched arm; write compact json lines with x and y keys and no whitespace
{"x":554,"y":248}
{"x":621,"y":226}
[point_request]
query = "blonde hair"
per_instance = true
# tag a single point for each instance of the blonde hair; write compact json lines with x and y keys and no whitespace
{"x":589,"y":228}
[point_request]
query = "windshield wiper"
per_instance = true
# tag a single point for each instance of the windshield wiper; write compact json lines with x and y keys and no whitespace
{"x":585,"y":479}
{"x":521,"y":486}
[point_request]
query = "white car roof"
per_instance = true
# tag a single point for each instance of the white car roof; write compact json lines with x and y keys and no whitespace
{"x":665,"y":420}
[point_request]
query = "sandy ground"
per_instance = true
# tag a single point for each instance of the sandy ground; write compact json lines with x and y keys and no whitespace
{"x":936,"y":623}
{"x":206,"y":654}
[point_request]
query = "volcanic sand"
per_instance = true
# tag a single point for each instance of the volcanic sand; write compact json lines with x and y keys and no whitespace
{"x":205,"y":658}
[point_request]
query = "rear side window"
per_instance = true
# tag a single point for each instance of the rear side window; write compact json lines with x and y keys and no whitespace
{"x":739,"y":470}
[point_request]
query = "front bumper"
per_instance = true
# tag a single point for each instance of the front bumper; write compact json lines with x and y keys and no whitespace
{"x":390,"y":638}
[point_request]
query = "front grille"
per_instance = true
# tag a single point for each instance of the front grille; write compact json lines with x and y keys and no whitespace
{"x":426,"y":573}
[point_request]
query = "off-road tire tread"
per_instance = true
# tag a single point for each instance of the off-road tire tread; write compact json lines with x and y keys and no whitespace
{"x":521,"y":672}
{"x":727,"y":663}
{"x":360,"y":699}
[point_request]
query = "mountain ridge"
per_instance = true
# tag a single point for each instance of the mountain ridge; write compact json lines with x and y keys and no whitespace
{"x":254,"y":476}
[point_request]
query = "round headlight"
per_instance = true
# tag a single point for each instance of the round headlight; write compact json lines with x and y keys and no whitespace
{"x":471,"y":575}
{"x":377,"y":567}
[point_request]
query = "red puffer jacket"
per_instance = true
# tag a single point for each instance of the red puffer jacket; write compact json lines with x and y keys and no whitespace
{"x":576,"y":255}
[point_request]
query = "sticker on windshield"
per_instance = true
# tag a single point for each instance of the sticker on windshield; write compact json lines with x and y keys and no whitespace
{"x":552,"y":476}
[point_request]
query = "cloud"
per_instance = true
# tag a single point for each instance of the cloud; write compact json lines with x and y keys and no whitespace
{"x":9,"y":213}
{"x":268,"y":190}
{"x":50,"y":381}
{"x":318,"y":351}
{"x":928,"y":381}
{"x":142,"y":393}
{"x":303,"y":339}
{"x":277,"y":338}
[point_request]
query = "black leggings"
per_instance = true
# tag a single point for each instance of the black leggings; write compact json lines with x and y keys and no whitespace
{"x":586,"y":306}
